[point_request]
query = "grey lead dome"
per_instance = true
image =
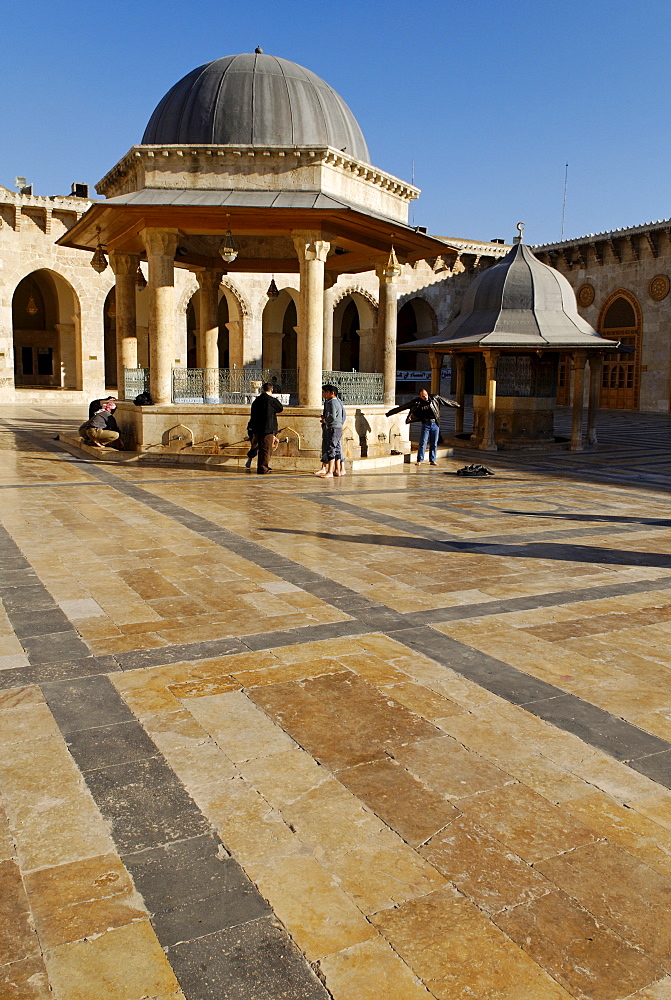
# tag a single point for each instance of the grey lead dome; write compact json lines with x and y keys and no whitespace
{"x":255,"y":99}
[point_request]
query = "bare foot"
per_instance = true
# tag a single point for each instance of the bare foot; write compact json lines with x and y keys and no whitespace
{"x":328,"y":475}
{"x":320,"y":473}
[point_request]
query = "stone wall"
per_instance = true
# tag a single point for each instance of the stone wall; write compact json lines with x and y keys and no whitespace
{"x":636,"y":261}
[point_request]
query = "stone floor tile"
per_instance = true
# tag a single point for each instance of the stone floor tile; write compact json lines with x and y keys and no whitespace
{"x":407,"y":806}
{"x":340,"y":719}
{"x":52,"y":815}
{"x":625,"y":827}
{"x":236,"y":724}
{"x":581,"y":953}
{"x":250,"y":828}
{"x":17,"y":934}
{"x":171,"y":730}
{"x":660,"y":990}
{"x":99,"y":966}
{"x":25,"y":979}
{"x":26,"y":722}
{"x":459,"y":954}
{"x":449,"y":769}
{"x":283,"y":778}
{"x":526,"y":823}
{"x":318,"y":915}
{"x":371,"y":971}
{"x":621,"y":891}
{"x":481,"y":867}
{"x":381,"y":873}
{"x":255,"y":961}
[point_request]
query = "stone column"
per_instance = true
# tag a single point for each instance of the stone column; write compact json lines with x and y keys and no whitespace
{"x":328,"y":332}
{"x":208,"y":282}
{"x":578,"y":365}
{"x":488,"y":440}
{"x":161,"y":245}
{"x":125,"y":267}
{"x":388,"y":275}
{"x":272,"y":349}
{"x":367,"y":350}
{"x":595,"y":372}
{"x":312,"y":252}
{"x":436,"y":362}
{"x":460,"y":361}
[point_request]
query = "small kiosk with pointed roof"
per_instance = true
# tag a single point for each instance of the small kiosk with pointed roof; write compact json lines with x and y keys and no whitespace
{"x":517,"y":318}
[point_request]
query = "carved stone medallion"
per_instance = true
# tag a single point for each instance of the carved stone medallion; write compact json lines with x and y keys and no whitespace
{"x":659,"y":287}
{"x":585,"y":296}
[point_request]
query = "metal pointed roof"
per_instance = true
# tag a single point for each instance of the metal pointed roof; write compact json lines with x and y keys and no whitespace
{"x":256,"y":100}
{"x":519,"y":302}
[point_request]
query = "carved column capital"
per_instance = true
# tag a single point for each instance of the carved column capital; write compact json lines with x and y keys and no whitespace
{"x":124,"y":263}
{"x":310,"y":246}
{"x":160,"y":242}
{"x":210,"y":278}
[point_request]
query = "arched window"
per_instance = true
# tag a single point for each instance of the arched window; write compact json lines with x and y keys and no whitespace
{"x":621,"y":320}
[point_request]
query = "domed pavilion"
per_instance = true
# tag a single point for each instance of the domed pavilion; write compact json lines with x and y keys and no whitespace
{"x":250,"y":163}
{"x":517,"y":318}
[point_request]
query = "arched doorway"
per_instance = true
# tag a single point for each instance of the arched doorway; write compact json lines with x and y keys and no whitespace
{"x":192,"y":359}
{"x":194,"y":347}
{"x":350,"y":345}
{"x":109,"y":332}
{"x":223,"y":337}
{"x":620,"y":319}
{"x":355,"y":346}
{"x":416,"y":320}
{"x":280,"y":341}
{"x":45,"y":324}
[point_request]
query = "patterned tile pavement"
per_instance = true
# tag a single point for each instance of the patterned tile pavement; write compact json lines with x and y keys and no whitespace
{"x":397,"y":736}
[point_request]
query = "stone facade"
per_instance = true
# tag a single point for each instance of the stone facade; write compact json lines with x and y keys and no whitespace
{"x":631,"y":266}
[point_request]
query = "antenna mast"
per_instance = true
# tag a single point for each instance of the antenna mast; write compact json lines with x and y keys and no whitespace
{"x":563,"y":211}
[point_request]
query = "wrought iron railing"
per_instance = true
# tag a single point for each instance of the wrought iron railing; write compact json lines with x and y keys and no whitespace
{"x":357,"y":388}
{"x":241,"y":385}
{"x":135,"y":381}
{"x":230,"y":385}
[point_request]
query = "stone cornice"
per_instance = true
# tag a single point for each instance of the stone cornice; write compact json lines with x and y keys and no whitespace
{"x":477,"y":247}
{"x":614,"y":234}
{"x":54,"y":201}
{"x":310,"y":155}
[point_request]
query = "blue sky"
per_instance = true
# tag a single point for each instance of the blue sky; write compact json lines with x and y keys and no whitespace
{"x":489,"y":98}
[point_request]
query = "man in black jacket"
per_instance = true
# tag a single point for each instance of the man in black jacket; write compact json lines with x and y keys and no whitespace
{"x":263,"y":422}
{"x":425,"y":409}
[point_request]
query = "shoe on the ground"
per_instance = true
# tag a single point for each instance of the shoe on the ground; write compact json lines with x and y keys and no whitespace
{"x":248,"y":463}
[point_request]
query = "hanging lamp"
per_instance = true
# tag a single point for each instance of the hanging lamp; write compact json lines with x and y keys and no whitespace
{"x":99,"y":260}
{"x":273,"y":291}
{"x":228,"y":249}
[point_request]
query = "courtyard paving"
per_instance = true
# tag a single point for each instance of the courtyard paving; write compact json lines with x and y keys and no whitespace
{"x":391,"y":737}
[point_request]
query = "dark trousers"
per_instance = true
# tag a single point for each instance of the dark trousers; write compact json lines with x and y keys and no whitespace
{"x":265,"y":445}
